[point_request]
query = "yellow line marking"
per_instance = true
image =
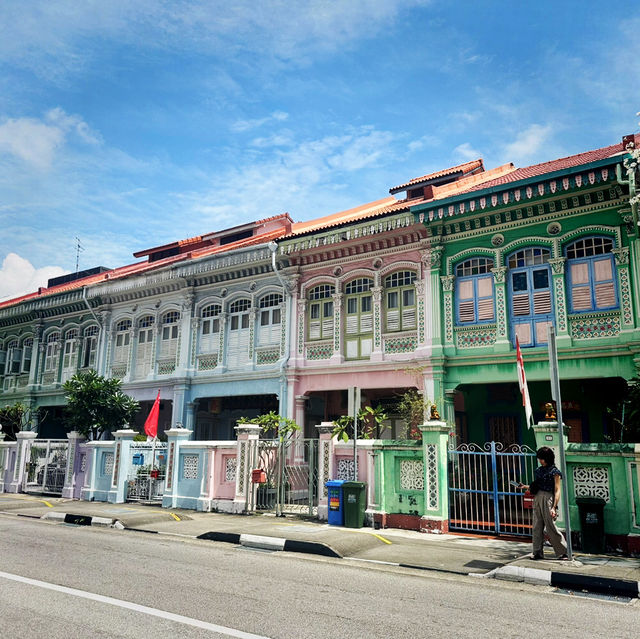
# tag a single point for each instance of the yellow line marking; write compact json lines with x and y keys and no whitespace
{"x":175,"y":516}
{"x":46,"y":503}
{"x":381,"y":538}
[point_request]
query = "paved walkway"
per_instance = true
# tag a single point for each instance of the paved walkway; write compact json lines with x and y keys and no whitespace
{"x":460,"y":554}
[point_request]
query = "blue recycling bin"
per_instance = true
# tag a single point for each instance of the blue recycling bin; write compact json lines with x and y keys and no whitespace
{"x":336,"y":510}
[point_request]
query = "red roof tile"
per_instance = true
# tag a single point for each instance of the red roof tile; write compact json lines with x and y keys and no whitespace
{"x":461,"y":168}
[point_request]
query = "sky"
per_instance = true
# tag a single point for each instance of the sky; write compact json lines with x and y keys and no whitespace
{"x":132,"y":123}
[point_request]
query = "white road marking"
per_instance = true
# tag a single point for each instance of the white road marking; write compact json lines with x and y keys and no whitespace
{"x":154,"y":612}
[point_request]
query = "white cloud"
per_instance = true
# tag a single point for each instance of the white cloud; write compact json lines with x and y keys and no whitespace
{"x":18,"y":276}
{"x":247,"y":125}
{"x":528,"y":143}
{"x":466,"y":152}
{"x":36,"y":142}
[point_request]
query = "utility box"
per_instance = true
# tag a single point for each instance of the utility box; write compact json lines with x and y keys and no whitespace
{"x":592,"y":524}
{"x":355,"y":503}
{"x":336,"y":510}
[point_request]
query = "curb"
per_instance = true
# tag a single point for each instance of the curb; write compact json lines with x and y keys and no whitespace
{"x":602,"y":585}
{"x":79,"y":520}
{"x":272,"y":543}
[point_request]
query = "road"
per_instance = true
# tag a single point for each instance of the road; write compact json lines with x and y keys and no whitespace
{"x":65,"y":581}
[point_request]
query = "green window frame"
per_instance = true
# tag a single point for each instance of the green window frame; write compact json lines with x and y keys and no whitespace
{"x":400,"y":301}
{"x":358,"y":318}
{"x":320,"y":312}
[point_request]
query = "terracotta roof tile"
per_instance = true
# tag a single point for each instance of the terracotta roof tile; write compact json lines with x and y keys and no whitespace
{"x":554,"y":165}
{"x":460,"y":168}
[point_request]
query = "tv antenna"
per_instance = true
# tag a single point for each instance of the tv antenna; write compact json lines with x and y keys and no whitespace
{"x":79,"y":249}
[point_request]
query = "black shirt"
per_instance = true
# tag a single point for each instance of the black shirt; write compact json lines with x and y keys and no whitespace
{"x":545,"y":478}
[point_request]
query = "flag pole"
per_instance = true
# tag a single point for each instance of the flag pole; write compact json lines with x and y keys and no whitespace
{"x":555,"y":394}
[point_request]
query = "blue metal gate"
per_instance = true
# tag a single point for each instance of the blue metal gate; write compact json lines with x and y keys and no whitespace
{"x":482,"y":494}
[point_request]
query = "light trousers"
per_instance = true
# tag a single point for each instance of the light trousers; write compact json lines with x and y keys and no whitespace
{"x":542,"y":520}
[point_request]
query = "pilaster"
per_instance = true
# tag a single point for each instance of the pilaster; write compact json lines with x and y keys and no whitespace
{"x":500,"y":285}
{"x":248,"y":436}
{"x":325,"y":466}
{"x":68,"y":490}
{"x":24,"y":440}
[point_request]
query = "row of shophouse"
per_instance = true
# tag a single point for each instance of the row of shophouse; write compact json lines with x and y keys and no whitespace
{"x":425,"y":289}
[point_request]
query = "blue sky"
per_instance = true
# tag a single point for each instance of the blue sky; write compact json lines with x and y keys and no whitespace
{"x":131,"y":123}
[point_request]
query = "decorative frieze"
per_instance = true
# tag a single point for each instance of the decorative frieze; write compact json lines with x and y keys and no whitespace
{"x":476,"y":337}
{"x":594,"y":325}
{"x":319,"y":351}
{"x":190,"y":465}
{"x":166,"y":367}
{"x":345,"y":469}
{"x":403,"y":344}
{"x":207,"y":362}
{"x":267,"y":356}
{"x":433,"y":496}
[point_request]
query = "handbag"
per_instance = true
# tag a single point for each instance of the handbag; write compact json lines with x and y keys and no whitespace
{"x":527,"y":500}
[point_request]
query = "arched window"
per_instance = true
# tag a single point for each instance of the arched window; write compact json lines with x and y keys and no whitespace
{"x":269,"y":330}
{"x":122,"y":339}
{"x":591,"y":275}
{"x":239,"y":332}
{"x":531,"y":304}
{"x":359,"y":318}
{"x":89,"y":346}
{"x":320,"y":313}
{"x":144,"y":353}
{"x":169,"y":336}
{"x":210,"y":329}
{"x":51,"y":353}
{"x":70,"y":351}
{"x":474,"y":291}
{"x":400,"y":297}
{"x":14,"y":355}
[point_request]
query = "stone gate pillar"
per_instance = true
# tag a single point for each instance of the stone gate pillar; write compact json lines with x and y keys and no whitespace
{"x":70,"y":474}
{"x":248,"y":435}
{"x":175,"y":436}
{"x":325,"y":466}
{"x":435,"y":440}
{"x":24,"y":440}
{"x":121,"y":462}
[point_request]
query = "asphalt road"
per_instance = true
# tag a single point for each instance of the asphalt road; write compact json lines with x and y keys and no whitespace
{"x":64,"y":581}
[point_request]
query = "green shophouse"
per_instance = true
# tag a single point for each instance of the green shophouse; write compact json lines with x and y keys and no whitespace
{"x":550,"y":244}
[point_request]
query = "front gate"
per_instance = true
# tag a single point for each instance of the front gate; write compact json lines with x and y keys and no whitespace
{"x":483,"y":497}
{"x":47,"y":465}
{"x":145,"y":481}
{"x":289,"y":478}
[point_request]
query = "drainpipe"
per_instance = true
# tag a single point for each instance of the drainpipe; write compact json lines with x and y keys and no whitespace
{"x":273,"y":247}
{"x":86,"y":301}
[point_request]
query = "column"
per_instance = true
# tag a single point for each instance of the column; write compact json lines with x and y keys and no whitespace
{"x":175,"y":436}
{"x":502,"y":333}
{"x":377,"y":352}
{"x":624,"y":287}
{"x":434,"y":258}
{"x":301,"y":405}
{"x":36,"y":350}
{"x":222,"y":350}
{"x":560,"y":302}
{"x":177,"y":413}
{"x":103,"y":347}
{"x":325,"y":467}
{"x":299,"y":332}
{"x":121,"y":461}
{"x":435,"y":438}
{"x":548,"y":434}
{"x":68,"y":490}
{"x":24,"y":439}
{"x":337,"y":357}
{"x":190,"y":422}
{"x":184,"y":335}
{"x":247,"y":435}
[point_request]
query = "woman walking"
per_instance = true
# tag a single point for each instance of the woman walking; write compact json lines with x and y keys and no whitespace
{"x":547,"y":488}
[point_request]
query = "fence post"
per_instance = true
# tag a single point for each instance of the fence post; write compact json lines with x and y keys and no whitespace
{"x":325,"y":466}
{"x":547,"y":434}
{"x":175,"y":437}
{"x":248,"y":435}
{"x":24,"y":440}
{"x":4,"y":459}
{"x":121,"y":462}
{"x":435,"y":440}
{"x":68,"y":489}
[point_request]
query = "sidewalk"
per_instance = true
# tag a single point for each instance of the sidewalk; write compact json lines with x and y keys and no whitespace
{"x":459,"y":554}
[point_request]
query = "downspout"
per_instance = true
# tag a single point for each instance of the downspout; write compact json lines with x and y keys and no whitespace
{"x":86,"y":301}
{"x":273,"y":247}
{"x":100,"y":344}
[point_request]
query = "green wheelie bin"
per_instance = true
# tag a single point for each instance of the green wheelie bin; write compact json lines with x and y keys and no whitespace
{"x":355,"y":503}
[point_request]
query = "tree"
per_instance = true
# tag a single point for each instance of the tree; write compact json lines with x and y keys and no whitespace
{"x":370,"y":421}
{"x":272,"y":423}
{"x":412,"y":408}
{"x":17,"y":417}
{"x":97,"y":405}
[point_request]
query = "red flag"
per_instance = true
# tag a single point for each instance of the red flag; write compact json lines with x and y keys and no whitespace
{"x":151,"y":424}
{"x":522,"y":382}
